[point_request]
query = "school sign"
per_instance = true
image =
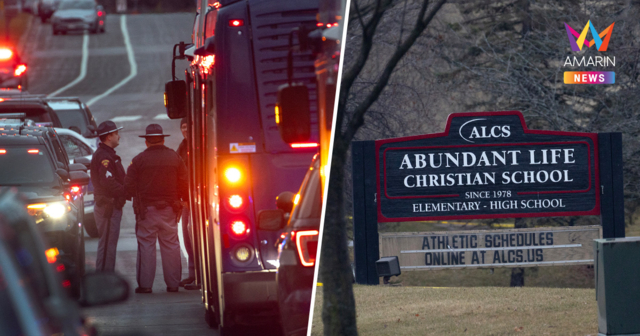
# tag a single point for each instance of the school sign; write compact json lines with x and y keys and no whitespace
{"x":485,"y":165}
{"x":488,"y":166}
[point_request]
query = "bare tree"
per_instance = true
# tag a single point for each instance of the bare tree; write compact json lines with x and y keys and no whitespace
{"x":338,"y":312}
{"x":514,"y":53}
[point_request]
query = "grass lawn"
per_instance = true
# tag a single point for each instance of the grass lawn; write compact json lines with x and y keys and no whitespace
{"x":390,"y":310}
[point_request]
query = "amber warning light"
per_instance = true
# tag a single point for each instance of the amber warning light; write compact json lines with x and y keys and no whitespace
{"x":233,"y":174}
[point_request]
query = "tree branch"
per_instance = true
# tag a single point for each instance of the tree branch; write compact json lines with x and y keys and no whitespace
{"x":357,"y":120}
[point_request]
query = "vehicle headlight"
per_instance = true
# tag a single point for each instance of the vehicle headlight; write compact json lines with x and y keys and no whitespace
{"x":55,"y":210}
{"x":48,"y":210}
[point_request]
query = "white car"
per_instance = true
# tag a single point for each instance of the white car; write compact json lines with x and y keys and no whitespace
{"x":78,"y":146}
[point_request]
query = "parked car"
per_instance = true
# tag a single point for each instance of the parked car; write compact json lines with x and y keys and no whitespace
{"x":34,"y":161}
{"x":74,"y":115}
{"x":34,"y":108}
{"x":32,"y":296}
{"x":78,"y":15}
{"x":13,"y":72}
{"x":68,"y":113}
{"x":80,"y":150}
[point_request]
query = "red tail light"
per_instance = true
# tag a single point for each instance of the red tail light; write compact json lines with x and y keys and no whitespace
{"x":60,"y":268}
{"x":33,"y":151}
{"x":305,"y":145}
{"x":236,"y":23}
{"x":3,"y":151}
{"x":319,"y":24}
{"x":100,"y":13}
{"x":66,"y":284}
{"x":239,"y":228}
{"x":75,"y":189}
{"x":236,"y":202}
{"x":20,"y":69}
{"x":307,"y":245}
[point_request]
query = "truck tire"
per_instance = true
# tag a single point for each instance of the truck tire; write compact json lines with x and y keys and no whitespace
{"x":212,"y":319}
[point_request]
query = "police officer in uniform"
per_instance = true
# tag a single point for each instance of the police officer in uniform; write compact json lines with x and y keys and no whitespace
{"x":107,"y":176}
{"x":183,"y":151}
{"x":157,"y":180}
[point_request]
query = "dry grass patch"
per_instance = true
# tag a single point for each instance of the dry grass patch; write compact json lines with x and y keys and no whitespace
{"x":550,"y":276}
{"x":384,"y":310}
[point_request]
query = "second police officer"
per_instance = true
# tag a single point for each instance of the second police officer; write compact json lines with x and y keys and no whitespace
{"x":157,"y":180}
{"x":107,"y":176}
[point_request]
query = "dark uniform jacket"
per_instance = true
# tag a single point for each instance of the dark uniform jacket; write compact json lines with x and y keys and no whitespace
{"x":107,"y":176}
{"x":183,"y":151}
{"x":157,"y":175}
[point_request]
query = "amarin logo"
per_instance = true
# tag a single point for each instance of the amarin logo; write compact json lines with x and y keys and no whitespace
{"x":576,"y":45}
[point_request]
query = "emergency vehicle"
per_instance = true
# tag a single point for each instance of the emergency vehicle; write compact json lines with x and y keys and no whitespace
{"x":238,"y":162}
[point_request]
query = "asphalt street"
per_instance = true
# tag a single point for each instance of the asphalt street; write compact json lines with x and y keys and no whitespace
{"x":121,"y":74}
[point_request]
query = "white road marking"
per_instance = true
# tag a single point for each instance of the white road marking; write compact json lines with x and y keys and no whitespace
{"x":83,"y":67}
{"x":161,"y":116}
{"x":125,"y":118}
{"x":132,"y":63}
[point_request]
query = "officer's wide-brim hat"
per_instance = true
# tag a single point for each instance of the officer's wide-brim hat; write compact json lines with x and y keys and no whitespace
{"x":107,"y":127}
{"x":154,"y":130}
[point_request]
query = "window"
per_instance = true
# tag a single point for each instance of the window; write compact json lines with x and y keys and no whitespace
{"x":84,"y":149}
{"x":210,"y":24}
{"x":61,"y":155}
{"x":70,"y":145}
{"x":39,"y":115}
{"x":77,"y":5}
{"x":310,"y":202}
{"x":70,"y":114}
{"x":20,"y":167}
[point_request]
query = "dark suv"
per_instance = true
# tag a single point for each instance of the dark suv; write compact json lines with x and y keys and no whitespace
{"x":70,"y":113}
{"x":32,"y":296}
{"x":34,"y":108}
{"x":33,"y":160}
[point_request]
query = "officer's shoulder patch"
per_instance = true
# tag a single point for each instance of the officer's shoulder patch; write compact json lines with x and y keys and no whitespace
{"x":105,"y":163}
